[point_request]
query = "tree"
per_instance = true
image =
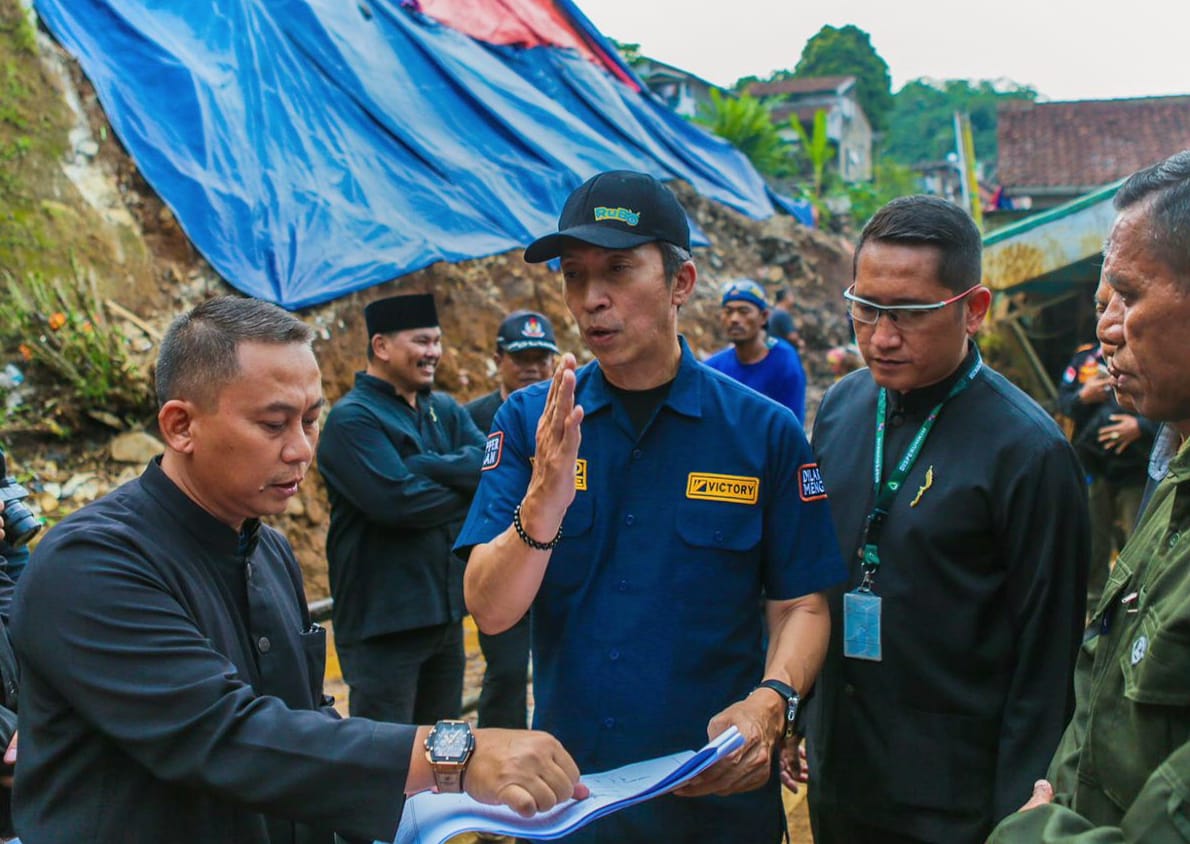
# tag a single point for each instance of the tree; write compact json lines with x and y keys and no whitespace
{"x":921,"y":126}
{"x":848,"y":51}
{"x":746,"y":123}
{"x":815,"y":146}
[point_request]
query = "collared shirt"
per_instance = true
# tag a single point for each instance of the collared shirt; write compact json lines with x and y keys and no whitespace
{"x":648,"y":621}
{"x":399,"y":479}
{"x":982,"y":577}
{"x":778,"y":375}
{"x":1122,"y":772}
{"x":171,"y":687}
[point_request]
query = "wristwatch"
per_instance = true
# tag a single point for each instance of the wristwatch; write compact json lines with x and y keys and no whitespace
{"x":448,"y":750}
{"x":791,"y":703}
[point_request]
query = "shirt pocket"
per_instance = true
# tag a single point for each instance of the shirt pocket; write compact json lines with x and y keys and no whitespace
{"x":724,"y":527}
{"x":573,"y":559}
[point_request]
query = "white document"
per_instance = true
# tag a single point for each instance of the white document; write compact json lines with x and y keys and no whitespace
{"x":434,"y":818}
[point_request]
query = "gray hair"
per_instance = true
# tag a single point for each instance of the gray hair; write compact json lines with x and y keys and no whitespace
{"x":1166,"y":188}
{"x":672,"y":258}
{"x":199,"y":355}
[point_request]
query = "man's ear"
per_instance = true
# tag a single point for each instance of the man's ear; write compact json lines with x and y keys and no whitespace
{"x":379,"y":346}
{"x":684,"y":282}
{"x":978,"y":305}
{"x":176,"y":420}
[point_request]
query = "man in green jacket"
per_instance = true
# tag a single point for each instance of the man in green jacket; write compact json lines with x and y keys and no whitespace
{"x":1122,"y":770}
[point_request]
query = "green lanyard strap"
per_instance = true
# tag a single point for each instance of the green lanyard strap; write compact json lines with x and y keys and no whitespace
{"x":869,"y":552}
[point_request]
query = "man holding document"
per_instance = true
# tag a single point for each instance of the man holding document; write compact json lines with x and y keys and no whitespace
{"x":645,"y":506}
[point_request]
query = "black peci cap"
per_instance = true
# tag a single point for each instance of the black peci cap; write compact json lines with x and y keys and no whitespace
{"x":397,"y":313}
{"x":618,"y":209}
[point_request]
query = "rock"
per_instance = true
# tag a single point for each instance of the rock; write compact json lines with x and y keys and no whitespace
{"x":53,"y":489}
{"x":47,"y":502}
{"x":88,"y":490}
{"x":89,"y":148}
{"x":105,"y":418}
{"x":135,"y":447}
{"x":72,"y":486}
{"x":295,"y":507}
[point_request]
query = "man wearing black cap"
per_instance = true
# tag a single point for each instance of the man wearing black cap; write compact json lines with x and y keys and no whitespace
{"x":644,"y":518}
{"x":525,"y":350}
{"x":400,"y":463}
{"x":525,"y":354}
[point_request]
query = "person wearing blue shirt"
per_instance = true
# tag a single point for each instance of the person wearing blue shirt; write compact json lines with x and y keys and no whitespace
{"x":769,"y":366}
{"x":647,"y":507}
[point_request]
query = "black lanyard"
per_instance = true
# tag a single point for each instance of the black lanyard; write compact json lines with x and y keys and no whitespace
{"x":869,"y":552}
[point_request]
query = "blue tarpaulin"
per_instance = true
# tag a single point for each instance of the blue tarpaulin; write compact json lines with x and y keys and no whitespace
{"x":312,"y":148}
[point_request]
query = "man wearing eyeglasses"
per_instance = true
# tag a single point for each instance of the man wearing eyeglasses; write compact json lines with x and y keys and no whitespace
{"x":962,"y":510}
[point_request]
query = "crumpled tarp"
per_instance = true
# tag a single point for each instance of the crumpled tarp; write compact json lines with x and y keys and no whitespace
{"x":312,"y":148}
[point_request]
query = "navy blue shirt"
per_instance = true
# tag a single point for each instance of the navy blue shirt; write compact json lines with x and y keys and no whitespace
{"x":778,"y":375}
{"x":649,"y":621}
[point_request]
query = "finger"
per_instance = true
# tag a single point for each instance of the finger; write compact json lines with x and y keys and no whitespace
{"x":566,"y":764}
{"x":1043,"y":793}
{"x":561,"y":786}
{"x":518,"y":798}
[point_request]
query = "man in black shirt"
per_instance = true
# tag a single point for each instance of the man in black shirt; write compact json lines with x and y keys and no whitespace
{"x":171,"y":678}
{"x":401,"y":463}
{"x":963,"y":511}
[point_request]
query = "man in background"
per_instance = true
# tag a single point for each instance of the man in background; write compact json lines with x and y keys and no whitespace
{"x":1113,"y":445}
{"x":525,"y":354}
{"x":401,"y":463}
{"x":780,"y":323}
{"x":962,"y":510}
{"x":769,"y":366}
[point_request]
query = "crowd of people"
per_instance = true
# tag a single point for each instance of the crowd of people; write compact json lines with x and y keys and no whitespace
{"x":908,"y":591}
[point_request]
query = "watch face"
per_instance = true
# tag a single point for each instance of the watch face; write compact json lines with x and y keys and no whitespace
{"x":450,"y":742}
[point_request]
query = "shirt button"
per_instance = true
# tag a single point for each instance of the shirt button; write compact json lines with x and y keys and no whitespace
{"x":849,"y":690}
{"x":613,"y":654}
{"x":629,"y":519}
{"x":718,"y":536}
{"x":622,"y":586}
{"x":636,"y":454}
{"x":263,"y":644}
{"x":609,"y":722}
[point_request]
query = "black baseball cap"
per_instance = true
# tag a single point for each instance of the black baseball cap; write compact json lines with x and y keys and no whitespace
{"x":526,"y":330}
{"x":618,"y":209}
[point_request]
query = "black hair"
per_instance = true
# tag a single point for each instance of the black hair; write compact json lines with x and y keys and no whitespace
{"x":930,"y":221}
{"x":199,"y":354}
{"x":1166,"y":187}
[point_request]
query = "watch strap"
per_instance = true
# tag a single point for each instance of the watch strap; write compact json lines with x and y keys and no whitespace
{"x":791,"y":699}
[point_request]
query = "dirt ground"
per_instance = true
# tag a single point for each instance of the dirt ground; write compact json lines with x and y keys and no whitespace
{"x":795,"y":804}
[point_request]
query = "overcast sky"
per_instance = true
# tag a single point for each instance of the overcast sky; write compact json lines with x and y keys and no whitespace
{"x":1066,"y":50}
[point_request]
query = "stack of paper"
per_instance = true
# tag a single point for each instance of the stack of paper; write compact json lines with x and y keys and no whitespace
{"x":433,"y":818}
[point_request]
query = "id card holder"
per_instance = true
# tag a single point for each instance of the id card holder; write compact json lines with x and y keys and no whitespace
{"x":861,"y":625}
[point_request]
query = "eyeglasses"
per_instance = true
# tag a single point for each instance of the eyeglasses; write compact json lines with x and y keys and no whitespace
{"x":905,"y":317}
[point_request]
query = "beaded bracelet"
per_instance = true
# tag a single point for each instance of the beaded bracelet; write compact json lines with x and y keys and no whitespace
{"x":530,"y":541}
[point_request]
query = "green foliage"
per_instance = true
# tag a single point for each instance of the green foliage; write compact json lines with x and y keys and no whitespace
{"x":630,"y":53}
{"x":746,"y":123}
{"x":59,"y":331}
{"x":921,"y":126}
{"x":890,"y":180}
{"x":816,"y":147}
{"x":848,"y":51}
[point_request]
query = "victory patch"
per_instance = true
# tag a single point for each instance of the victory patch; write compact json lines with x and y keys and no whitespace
{"x":734,"y":489}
